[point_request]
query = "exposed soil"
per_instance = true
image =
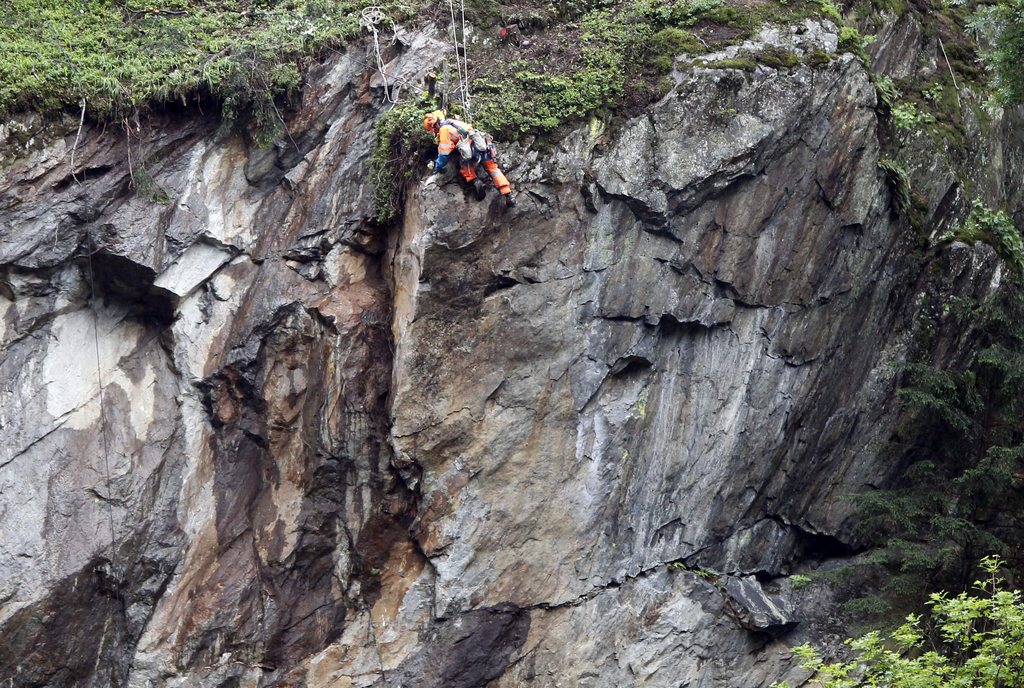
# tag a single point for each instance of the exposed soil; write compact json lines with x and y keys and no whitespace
{"x":716,"y":36}
{"x":556,"y":50}
{"x":548,"y":38}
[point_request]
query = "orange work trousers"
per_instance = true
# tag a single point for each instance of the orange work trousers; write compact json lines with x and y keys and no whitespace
{"x":468,"y":170}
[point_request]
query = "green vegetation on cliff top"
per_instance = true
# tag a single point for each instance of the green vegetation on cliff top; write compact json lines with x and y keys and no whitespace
{"x":118,"y":56}
{"x":577,"y":58}
{"x":567,"y":59}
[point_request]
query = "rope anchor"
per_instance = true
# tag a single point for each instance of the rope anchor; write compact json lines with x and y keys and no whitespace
{"x":373,"y":15}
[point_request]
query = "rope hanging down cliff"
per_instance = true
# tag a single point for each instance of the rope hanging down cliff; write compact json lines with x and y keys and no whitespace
{"x":103,"y":420}
{"x":115,"y":570}
{"x":369,"y":19}
{"x":374,"y":16}
{"x":461,"y":64}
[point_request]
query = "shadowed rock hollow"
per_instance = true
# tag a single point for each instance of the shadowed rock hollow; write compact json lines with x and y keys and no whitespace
{"x":478,"y":447}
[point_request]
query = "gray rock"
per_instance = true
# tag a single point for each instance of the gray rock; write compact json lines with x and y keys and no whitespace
{"x":192,"y":268}
{"x":461,"y":449}
{"x":896,"y":47}
{"x":754,"y":609}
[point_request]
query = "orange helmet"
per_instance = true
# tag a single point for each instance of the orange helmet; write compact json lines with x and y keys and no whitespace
{"x":431,"y":119}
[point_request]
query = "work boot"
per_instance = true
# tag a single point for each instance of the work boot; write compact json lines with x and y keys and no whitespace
{"x":480,"y":189}
{"x":510,"y":202}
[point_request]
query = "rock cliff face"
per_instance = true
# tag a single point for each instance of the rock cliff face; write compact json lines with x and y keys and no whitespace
{"x":251,"y":438}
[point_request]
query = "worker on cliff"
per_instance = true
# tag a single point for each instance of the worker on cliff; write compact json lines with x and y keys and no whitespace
{"x":474,"y":147}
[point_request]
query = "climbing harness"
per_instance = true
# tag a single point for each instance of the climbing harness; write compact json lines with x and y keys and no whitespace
{"x":474,"y":146}
{"x":370,"y":18}
{"x":465,"y":130}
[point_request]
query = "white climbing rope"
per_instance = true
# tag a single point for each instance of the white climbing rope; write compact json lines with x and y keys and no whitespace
{"x":455,"y":43}
{"x":115,"y":570}
{"x":461,"y":63}
{"x":465,"y":61}
{"x":370,"y":18}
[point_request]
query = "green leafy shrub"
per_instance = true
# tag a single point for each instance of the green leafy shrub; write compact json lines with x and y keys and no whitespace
{"x":995,"y":228}
{"x":537,"y":102}
{"x":850,"y":39}
{"x":665,"y":44}
{"x":726,"y":15}
{"x":933,"y":93}
{"x":887,"y":92}
{"x":831,"y":10}
{"x":907,"y":116}
{"x":799,"y":581}
{"x":400,"y":145}
{"x":970,"y":641}
{"x":675,"y":12}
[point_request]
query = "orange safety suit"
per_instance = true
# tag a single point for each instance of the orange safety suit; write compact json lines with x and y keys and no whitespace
{"x":473,"y":150}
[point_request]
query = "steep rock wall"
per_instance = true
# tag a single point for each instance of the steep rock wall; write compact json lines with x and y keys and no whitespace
{"x":481,"y":448}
